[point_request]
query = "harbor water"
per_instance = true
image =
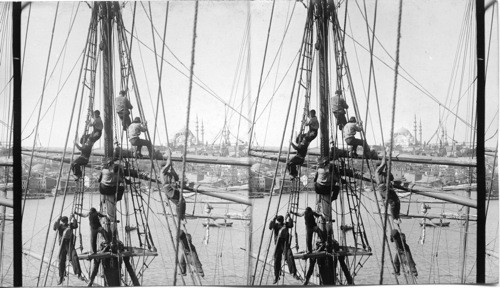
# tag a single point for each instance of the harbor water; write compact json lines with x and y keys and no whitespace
{"x":223,"y":257}
{"x":438,"y":260}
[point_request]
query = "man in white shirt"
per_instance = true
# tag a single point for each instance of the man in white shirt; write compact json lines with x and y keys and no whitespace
{"x":122,"y":106}
{"x":97,"y":125}
{"x":134,"y":131}
{"x":313,"y":126}
{"x":350,"y":130}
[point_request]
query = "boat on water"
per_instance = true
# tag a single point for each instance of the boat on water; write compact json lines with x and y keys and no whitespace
{"x":218,"y":224}
{"x":253,"y":195}
{"x":435,"y":224}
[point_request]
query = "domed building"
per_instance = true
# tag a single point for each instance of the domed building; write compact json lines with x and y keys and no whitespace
{"x":179,"y":138}
{"x":403,"y":138}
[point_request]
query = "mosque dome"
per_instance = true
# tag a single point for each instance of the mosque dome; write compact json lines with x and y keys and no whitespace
{"x":403,"y":138}
{"x":403,"y":131}
{"x":179,"y":137}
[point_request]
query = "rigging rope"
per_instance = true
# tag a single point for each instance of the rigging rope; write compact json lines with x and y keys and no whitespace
{"x":125,"y":83}
{"x":278,"y":157}
{"x":41,"y":103}
{"x":193,"y":50}
{"x":372,"y":68}
{"x":53,"y":70}
{"x":261,"y":74}
{"x":61,"y":166}
{"x":288,"y":156}
{"x":67,"y":178}
{"x":159,"y":71}
{"x":26,"y":39}
{"x":50,"y":135}
{"x":389,"y":166}
{"x":211,"y":93}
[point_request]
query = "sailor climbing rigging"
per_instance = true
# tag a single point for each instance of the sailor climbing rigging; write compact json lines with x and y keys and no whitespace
{"x":403,"y":253}
{"x":95,"y":227}
{"x":111,"y":187}
{"x":311,"y":226}
{"x":122,"y":106}
{"x":281,"y":239}
{"x":170,"y":181}
{"x":134,"y":131}
{"x":97,"y":124}
{"x":313,"y":125}
{"x":387,"y":192}
{"x":338,"y":107}
{"x":298,"y":159}
{"x":67,"y":247}
{"x":350,"y":130}
{"x":325,"y":180}
{"x":189,"y":253}
{"x":83,"y":159}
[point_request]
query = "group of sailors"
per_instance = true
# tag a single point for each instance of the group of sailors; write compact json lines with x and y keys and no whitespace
{"x":349,"y":129}
{"x":325,"y":176}
{"x":327,"y":182}
{"x":133,"y":128}
{"x":112,"y":182}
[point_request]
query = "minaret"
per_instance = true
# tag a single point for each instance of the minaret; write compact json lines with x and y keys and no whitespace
{"x":197,"y":142}
{"x":442,"y":135}
{"x":421,"y":143}
{"x":202,"y":133}
{"x":415,"y":131}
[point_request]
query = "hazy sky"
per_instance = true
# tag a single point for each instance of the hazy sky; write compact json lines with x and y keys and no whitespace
{"x":433,"y":32}
{"x":6,"y":73}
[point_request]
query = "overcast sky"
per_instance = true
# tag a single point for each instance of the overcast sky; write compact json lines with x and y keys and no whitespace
{"x":433,"y":32}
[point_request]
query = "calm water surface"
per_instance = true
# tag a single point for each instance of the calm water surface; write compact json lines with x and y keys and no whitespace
{"x":438,"y":259}
{"x":223,"y":258}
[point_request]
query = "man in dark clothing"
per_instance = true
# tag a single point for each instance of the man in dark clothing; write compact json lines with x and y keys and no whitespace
{"x":98,"y":126}
{"x":83,"y":159}
{"x":338,"y":106}
{"x":336,"y":153}
{"x":403,"y":254}
{"x":393,"y":199}
{"x":122,"y":106}
{"x":312,"y":262}
{"x":313,"y":126}
{"x":95,"y":227}
{"x":281,"y":239}
{"x":311,"y":226}
{"x":168,"y":172}
{"x":189,"y":253}
{"x":298,"y":159}
{"x":174,"y":194}
{"x":67,"y":247}
{"x":171,"y":187}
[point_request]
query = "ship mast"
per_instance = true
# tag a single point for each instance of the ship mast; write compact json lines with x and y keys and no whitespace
{"x":327,"y":271}
{"x":481,"y":165}
{"x":107,"y":15}
{"x":111,"y":266}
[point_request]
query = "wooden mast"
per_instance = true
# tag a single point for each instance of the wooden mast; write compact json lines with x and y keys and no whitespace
{"x":481,"y":164}
{"x":327,"y":266}
{"x":107,"y":70}
{"x":111,"y":266}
